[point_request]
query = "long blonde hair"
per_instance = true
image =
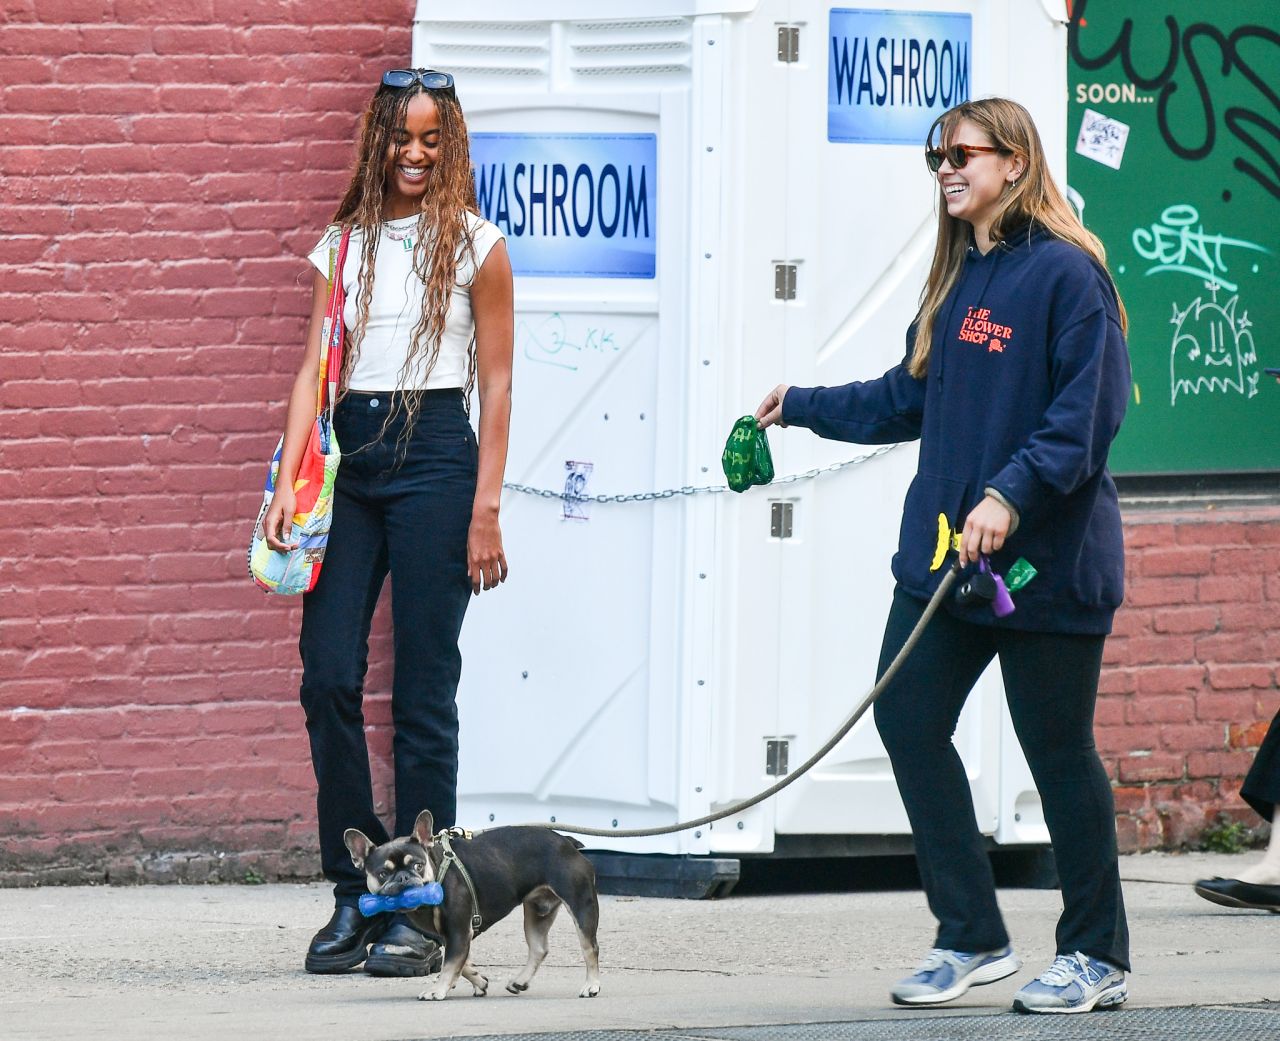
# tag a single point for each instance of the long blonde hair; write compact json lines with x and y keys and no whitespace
{"x":442,"y":236}
{"x":1032,"y":198}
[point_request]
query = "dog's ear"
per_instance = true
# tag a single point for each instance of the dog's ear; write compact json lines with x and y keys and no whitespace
{"x":422,"y":829}
{"x":359,"y":845}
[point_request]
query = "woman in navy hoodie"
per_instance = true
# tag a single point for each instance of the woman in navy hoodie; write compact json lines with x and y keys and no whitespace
{"x":1015,"y":380}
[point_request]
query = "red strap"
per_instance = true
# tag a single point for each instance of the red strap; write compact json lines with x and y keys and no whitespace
{"x":333,"y":332}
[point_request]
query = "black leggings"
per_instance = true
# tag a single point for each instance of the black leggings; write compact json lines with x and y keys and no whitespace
{"x":1051,"y":683}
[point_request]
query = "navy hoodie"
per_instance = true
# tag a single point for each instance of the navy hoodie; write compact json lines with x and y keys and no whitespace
{"x":1027,"y":382}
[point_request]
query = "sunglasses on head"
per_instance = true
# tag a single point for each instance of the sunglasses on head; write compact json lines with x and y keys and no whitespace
{"x":398,"y":79}
{"x":956,"y":155}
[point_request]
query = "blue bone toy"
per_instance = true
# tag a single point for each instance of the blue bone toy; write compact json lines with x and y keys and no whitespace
{"x":430,"y":895}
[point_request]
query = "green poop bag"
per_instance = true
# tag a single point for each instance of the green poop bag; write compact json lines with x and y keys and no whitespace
{"x":746,"y":459}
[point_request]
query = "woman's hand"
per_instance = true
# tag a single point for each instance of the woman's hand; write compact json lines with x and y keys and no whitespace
{"x":985,"y":530}
{"x":770,"y":410}
{"x":277,"y":525}
{"x":486,"y":562}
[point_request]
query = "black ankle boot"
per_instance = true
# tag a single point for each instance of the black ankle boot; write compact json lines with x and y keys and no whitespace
{"x":403,"y":951}
{"x":342,"y":944}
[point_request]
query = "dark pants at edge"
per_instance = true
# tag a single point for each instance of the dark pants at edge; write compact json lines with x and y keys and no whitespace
{"x":404,"y":508}
{"x":1051,"y":683}
{"x":1261,"y":788}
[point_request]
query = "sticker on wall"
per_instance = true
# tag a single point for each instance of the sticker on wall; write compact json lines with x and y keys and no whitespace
{"x":890,"y":74}
{"x":1102,"y":139}
{"x":576,"y":475}
{"x":572,"y":205}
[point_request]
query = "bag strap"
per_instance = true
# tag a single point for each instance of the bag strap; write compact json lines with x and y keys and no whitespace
{"x":332,"y":330}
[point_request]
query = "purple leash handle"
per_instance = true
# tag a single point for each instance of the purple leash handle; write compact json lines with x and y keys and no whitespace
{"x":1003,"y":604}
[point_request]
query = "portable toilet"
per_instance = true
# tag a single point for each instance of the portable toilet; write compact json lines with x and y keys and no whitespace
{"x":701,"y":201}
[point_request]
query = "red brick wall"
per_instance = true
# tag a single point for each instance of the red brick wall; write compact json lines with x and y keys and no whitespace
{"x":1190,"y":679}
{"x":165,"y":164}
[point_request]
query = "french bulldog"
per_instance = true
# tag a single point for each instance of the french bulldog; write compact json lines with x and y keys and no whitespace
{"x":536,"y":867}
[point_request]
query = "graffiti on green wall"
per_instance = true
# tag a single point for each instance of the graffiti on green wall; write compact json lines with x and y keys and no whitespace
{"x":1175,"y":165}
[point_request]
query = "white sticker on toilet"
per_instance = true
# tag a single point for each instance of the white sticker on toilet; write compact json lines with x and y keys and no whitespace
{"x":575,"y":497}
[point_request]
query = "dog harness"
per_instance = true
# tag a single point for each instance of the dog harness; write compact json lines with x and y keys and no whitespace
{"x":448,"y":859}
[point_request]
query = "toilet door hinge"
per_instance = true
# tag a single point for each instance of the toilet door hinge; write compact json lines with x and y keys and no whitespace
{"x":775,"y":757}
{"x":784,"y":281}
{"x":788,"y":43}
{"x":781,"y":515}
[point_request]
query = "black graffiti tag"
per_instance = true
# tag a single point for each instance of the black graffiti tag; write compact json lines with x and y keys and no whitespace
{"x":1255,"y":130}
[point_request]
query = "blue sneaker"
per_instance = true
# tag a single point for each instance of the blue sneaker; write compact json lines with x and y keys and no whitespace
{"x":1074,"y":983}
{"x":945,"y":975}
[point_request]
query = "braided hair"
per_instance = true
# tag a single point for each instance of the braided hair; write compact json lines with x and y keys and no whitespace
{"x":442,"y":240}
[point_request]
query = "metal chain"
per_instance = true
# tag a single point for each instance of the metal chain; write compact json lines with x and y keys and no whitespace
{"x":688,"y":489}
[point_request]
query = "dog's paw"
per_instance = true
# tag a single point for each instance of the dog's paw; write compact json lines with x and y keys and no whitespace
{"x":433,"y":995}
{"x":589,"y":990}
{"x":517,"y":988}
{"x":480,"y":989}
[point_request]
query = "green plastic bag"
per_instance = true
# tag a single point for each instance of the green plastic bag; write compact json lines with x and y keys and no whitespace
{"x":746,"y":458}
{"x":1019,"y":574}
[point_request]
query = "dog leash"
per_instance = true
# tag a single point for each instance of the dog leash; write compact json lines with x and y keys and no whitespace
{"x":638,"y":833}
{"x":449,"y":859}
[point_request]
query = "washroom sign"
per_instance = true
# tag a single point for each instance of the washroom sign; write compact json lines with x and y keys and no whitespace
{"x":890,"y":74}
{"x":571,"y":205}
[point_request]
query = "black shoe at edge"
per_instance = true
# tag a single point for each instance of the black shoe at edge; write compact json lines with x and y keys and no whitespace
{"x":1231,"y":892}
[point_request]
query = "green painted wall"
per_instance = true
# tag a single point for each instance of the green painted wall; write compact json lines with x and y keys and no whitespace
{"x":1174,"y":160}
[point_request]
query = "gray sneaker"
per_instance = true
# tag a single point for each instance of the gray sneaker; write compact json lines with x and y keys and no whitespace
{"x":945,"y":975}
{"x":1074,"y":983}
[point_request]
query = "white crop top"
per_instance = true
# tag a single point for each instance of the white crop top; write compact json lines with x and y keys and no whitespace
{"x":396,"y":307}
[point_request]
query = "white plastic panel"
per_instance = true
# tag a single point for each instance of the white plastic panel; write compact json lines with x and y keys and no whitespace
{"x":862,"y":227}
{"x":570,"y":699}
{"x":637,"y":661}
{"x":751,"y":331}
{"x":496,"y":12}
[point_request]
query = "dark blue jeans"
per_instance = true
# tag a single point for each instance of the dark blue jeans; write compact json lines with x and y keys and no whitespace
{"x":1051,"y":684}
{"x":401,"y":507}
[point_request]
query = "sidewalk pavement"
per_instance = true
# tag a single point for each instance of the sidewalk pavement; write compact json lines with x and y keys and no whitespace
{"x":225,"y":962}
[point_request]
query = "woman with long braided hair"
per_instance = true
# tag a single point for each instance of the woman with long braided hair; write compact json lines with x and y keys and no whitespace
{"x":428,"y":317}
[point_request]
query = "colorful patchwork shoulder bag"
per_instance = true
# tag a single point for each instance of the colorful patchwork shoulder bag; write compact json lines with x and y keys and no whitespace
{"x":297,"y":570}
